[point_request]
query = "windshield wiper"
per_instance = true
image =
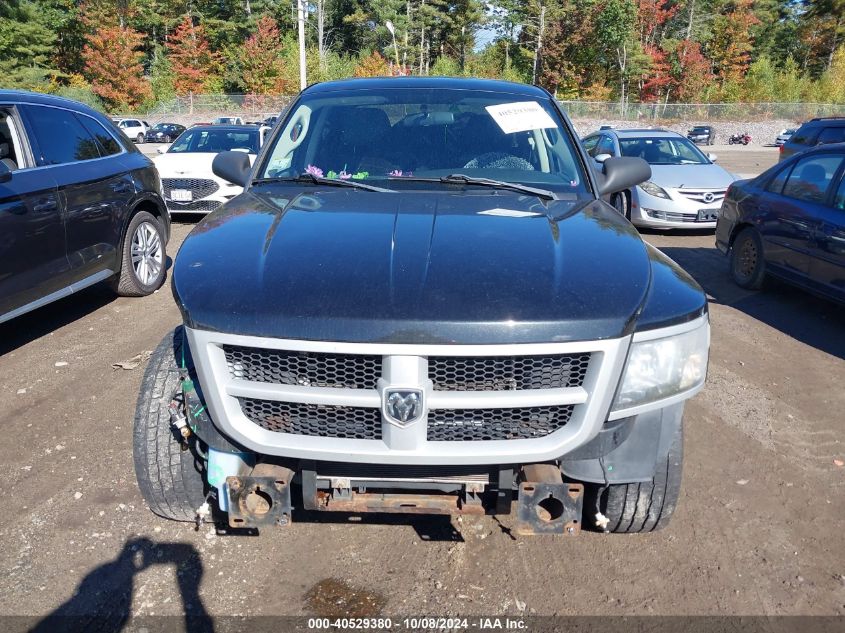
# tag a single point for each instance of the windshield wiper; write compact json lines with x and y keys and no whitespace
{"x":320,"y":180}
{"x":462,"y":179}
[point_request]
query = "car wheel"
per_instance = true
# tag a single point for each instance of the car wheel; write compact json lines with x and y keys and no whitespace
{"x":646,"y":506}
{"x":622,"y":203}
{"x":166,"y":138}
{"x":139,"y":138}
{"x":144,"y":257}
{"x":748,"y":266}
{"x":171,"y":480}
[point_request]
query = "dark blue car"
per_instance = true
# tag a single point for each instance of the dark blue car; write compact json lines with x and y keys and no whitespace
{"x":789,"y":222}
{"x":79,"y":204}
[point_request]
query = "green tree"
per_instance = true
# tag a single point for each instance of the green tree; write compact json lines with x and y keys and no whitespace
{"x":26,"y":47}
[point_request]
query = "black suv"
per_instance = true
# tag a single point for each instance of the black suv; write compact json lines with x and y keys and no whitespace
{"x":164,"y":133}
{"x":819,"y":131}
{"x":79,"y":204}
{"x":702,"y":134}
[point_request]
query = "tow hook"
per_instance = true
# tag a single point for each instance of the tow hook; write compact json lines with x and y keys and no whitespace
{"x":546,"y":504}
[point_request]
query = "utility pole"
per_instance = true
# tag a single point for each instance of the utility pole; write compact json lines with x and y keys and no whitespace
{"x":542,"y":25}
{"x":392,"y":30}
{"x":300,"y":19}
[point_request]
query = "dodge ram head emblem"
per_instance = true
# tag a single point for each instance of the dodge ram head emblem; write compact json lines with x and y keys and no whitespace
{"x":403,"y":406}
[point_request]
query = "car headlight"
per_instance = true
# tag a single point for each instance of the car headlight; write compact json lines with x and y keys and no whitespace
{"x":653,"y":190}
{"x":664,"y":367}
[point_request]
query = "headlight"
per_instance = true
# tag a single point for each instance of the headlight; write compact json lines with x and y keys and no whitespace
{"x":653,"y":190}
{"x":663,"y":367}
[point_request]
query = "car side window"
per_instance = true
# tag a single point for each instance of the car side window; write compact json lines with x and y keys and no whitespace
{"x":811,"y":177}
{"x":12,"y":152}
{"x":804,"y":136}
{"x":831,"y":135}
{"x":776,"y":184}
{"x":60,"y":136}
{"x":590,"y":144}
{"x":108,"y":145}
{"x":605,"y":146}
{"x":839,"y":199}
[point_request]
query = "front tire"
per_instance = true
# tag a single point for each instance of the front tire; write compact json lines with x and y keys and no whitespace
{"x":748,"y":266}
{"x":144,"y":257}
{"x":622,"y":203}
{"x":648,"y":506}
{"x":139,"y":139}
{"x":171,"y":480}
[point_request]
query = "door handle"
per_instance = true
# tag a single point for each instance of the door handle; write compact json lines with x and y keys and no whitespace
{"x":45,"y":204}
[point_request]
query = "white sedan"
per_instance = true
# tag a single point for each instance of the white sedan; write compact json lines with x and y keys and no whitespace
{"x":185,"y":166}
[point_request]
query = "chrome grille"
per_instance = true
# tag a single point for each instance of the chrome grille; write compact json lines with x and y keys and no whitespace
{"x":199,"y":187}
{"x":306,"y":369}
{"x":315,"y":420}
{"x":507,"y":373}
{"x":469,"y":425}
{"x":701,"y":195}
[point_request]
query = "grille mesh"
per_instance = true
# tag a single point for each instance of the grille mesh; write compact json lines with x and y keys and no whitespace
{"x":503,"y":373}
{"x":467,"y":425}
{"x":206,"y":206}
{"x":200,"y":187}
{"x":305,"y":369}
{"x":315,"y":420}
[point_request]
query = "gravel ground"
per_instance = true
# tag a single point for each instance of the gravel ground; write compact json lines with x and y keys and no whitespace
{"x":758,"y":530}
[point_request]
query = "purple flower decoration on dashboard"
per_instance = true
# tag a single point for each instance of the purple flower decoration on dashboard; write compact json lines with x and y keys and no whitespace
{"x":396,"y":173}
{"x":343,"y":175}
{"x":314,"y":171}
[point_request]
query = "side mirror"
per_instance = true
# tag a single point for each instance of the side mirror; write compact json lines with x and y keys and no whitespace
{"x":232,"y":167}
{"x":712,"y":157}
{"x":600,"y":158}
{"x":622,"y":172}
{"x":163,"y":149}
{"x":5,"y":172}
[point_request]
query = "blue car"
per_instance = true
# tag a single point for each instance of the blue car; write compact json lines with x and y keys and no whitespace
{"x":789,"y":222}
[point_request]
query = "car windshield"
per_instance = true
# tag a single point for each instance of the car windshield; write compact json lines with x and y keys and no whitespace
{"x":391,"y":134}
{"x":663,"y":151}
{"x":160,"y":127}
{"x":216,"y":140}
{"x":225,"y":120}
{"x":700,"y":130}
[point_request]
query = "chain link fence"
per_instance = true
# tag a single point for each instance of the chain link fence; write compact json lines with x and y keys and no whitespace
{"x":195,"y":108}
{"x":704,"y":112}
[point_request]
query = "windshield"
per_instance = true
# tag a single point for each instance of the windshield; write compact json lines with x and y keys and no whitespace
{"x":215,"y":140}
{"x":663,"y":151}
{"x":160,"y":127}
{"x":390,"y":134}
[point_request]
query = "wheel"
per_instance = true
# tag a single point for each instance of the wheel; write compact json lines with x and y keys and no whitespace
{"x":748,"y":266}
{"x":139,"y":138}
{"x":647,"y":506}
{"x":621,"y":202}
{"x":171,"y":480}
{"x":745,"y":142}
{"x":166,"y":138}
{"x":142,"y":267}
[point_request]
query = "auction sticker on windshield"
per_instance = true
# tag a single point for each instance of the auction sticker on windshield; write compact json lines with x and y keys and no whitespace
{"x":520,"y":117}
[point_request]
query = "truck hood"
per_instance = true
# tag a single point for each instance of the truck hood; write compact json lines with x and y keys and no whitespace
{"x":418,"y":267}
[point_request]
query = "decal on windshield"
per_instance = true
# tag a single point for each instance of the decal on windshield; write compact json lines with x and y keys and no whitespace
{"x":520,"y":117}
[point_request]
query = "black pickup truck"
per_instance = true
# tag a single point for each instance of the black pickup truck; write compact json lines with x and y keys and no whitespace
{"x":421,"y":303}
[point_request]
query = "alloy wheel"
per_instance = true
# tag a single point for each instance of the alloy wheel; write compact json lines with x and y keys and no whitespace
{"x":147,"y":253}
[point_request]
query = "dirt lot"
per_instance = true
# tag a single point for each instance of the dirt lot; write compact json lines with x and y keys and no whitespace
{"x":758,"y":529}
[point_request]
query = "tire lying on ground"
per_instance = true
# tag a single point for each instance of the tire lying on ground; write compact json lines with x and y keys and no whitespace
{"x":171,"y":480}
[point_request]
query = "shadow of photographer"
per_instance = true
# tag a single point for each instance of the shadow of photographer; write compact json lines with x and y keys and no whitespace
{"x":102,"y":601}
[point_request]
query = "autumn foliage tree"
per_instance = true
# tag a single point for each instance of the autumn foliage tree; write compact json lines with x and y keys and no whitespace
{"x":262,"y":65}
{"x":113,"y":66}
{"x":192,"y":60}
{"x":732,"y":41}
{"x":373,"y":66}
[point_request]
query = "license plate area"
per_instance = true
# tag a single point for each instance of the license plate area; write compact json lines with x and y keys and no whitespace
{"x":708,"y":215}
{"x":181,"y":195}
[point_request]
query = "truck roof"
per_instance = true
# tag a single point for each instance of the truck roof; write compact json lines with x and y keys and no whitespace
{"x":452,"y":83}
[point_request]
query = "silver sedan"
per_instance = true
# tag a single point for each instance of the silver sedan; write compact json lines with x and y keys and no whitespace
{"x":686,"y":188}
